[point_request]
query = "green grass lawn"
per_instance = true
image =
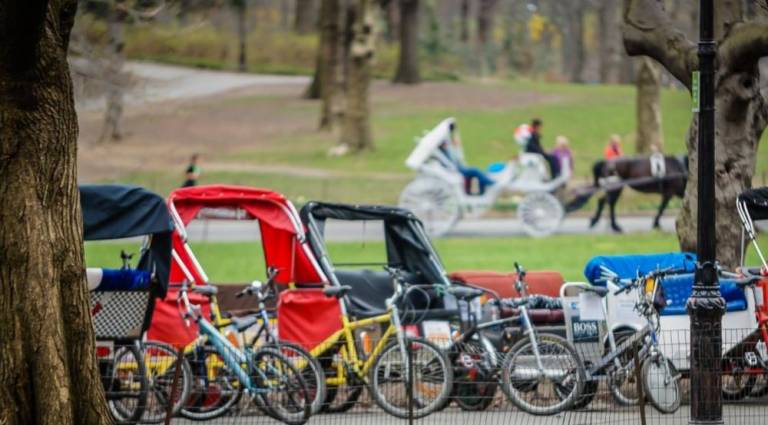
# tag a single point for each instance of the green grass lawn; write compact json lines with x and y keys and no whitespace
{"x":243,"y":262}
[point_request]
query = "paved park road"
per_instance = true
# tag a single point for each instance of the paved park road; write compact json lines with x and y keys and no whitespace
{"x":489,"y":227}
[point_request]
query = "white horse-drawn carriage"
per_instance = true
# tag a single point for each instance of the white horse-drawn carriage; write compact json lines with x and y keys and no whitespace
{"x":440,"y":195}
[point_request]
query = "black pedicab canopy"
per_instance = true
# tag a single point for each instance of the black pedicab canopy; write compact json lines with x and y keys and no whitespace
{"x":117,"y":211}
{"x":407,"y":246}
{"x":756,"y":201}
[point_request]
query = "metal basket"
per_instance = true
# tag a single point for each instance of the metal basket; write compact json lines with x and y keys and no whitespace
{"x":120,"y":315}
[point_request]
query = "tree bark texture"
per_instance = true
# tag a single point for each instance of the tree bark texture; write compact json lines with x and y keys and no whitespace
{"x":48,"y":372}
{"x":741,"y":110}
{"x":408,"y":64}
{"x":112,"y":129}
{"x":356,"y":129}
{"x":306,"y":16}
{"x":609,"y":19}
{"x":485,"y":14}
{"x":648,"y":108}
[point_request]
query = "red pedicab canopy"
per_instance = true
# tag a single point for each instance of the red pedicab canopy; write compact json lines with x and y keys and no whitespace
{"x":282,"y":234}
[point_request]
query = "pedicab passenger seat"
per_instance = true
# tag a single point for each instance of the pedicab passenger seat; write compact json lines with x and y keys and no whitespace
{"x":678,"y":288}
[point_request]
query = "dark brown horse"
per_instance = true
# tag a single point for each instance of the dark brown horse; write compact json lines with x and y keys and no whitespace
{"x":637,"y":172}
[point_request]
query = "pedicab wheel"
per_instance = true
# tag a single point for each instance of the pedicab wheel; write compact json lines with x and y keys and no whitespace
{"x":281,"y":389}
{"x":760,"y":389}
{"x":127,"y":387}
{"x":661,"y":384}
{"x":310,"y":369}
{"x":434,"y":202}
{"x":557,"y":389}
{"x":161,"y":361}
{"x":474,"y":383}
{"x":540,"y":213}
{"x":432,"y":378}
{"x":215,"y":388}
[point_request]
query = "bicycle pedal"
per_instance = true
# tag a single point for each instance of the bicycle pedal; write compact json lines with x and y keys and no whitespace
{"x":751,"y":358}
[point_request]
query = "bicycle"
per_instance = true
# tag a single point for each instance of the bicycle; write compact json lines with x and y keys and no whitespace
{"x":160,"y":363}
{"x":482,"y":369}
{"x":213,"y":377}
{"x":660,"y":379}
{"x":268,"y":376}
{"x":386,"y":371}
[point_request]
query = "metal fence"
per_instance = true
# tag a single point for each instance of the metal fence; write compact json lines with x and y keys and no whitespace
{"x":139,"y":382}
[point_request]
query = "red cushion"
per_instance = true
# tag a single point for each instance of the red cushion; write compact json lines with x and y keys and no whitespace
{"x":307,"y":317}
{"x":539,"y":282}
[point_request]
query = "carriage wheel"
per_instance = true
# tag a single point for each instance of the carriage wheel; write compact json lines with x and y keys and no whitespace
{"x":434,"y":202}
{"x":540,"y":214}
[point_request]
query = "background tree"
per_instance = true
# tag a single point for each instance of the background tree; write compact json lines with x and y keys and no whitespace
{"x":306,"y":16}
{"x":648,"y":108}
{"x":464,"y":20}
{"x":408,"y":65}
{"x":741,"y":112}
{"x":485,"y":19}
{"x":48,"y":372}
{"x":609,"y":39}
{"x":356,"y":128}
{"x":241,"y":10}
{"x":573,"y":39}
{"x":114,"y":75}
{"x":327,"y":60}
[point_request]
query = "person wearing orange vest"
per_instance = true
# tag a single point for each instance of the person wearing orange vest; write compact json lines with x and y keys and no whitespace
{"x":613,"y":149}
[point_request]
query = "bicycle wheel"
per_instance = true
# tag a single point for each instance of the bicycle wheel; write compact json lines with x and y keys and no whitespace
{"x":737,"y":382}
{"x":432,"y":378}
{"x":340,"y":398}
{"x":127,"y":389}
{"x":215,"y":388}
{"x":474,"y":376}
{"x":161,"y":362}
{"x":310,"y":370}
{"x":280,"y":386}
{"x":622,"y":381}
{"x":661,"y":384}
{"x":546,"y":392}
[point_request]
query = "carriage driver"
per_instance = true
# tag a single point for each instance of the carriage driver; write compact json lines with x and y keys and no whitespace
{"x":452,"y":149}
{"x":534,"y":146}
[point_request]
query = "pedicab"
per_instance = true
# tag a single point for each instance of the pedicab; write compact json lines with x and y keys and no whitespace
{"x":288,"y":260}
{"x":122,"y":299}
{"x":441,"y":196}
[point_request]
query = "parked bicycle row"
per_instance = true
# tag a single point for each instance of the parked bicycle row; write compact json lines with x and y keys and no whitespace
{"x":416,"y":338}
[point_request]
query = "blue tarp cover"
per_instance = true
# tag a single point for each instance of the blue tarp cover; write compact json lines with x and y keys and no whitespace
{"x":678,"y":288}
{"x":627,"y":266}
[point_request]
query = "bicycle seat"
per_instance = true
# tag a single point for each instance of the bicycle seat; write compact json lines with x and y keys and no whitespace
{"x":208,"y":290}
{"x":465,"y":293}
{"x":336,"y":291}
{"x":245,"y":322}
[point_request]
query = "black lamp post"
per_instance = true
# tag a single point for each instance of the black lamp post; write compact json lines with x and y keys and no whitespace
{"x":706,"y":306}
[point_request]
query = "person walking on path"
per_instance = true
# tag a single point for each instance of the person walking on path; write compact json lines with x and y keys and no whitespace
{"x":193,"y":171}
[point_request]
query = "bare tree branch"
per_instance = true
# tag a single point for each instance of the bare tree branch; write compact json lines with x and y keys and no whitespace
{"x":744,"y":47}
{"x":649,"y":31}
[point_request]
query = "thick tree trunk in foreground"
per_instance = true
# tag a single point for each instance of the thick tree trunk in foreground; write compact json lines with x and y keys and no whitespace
{"x":48,"y":372}
{"x":648,"y":108}
{"x":741,"y":110}
{"x":356,"y":129}
{"x":115,"y":77}
{"x":306,"y":16}
{"x":408,"y":65}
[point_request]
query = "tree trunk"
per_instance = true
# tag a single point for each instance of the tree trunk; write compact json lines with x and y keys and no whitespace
{"x":115,"y":77}
{"x":48,"y":372}
{"x":328,"y":62}
{"x":408,"y":66}
{"x":242,"y":32}
{"x":741,"y":111}
{"x":465,"y":21}
{"x":306,"y":16}
{"x":609,"y":39}
{"x":391,"y":11}
{"x":485,"y":13}
{"x":648,"y":108}
{"x":356,"y":129}
{"x":573,"y":40}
